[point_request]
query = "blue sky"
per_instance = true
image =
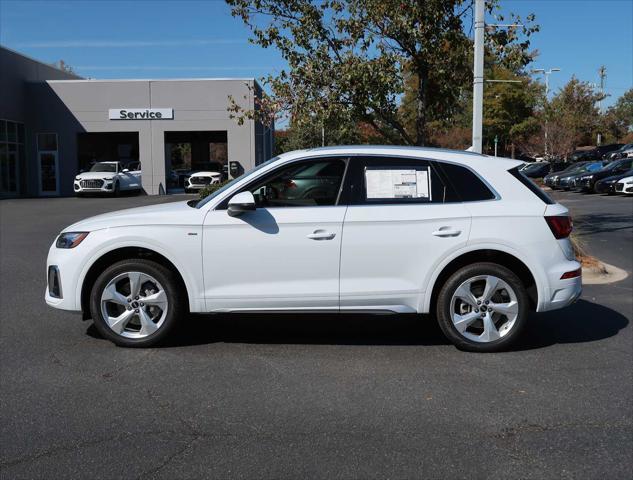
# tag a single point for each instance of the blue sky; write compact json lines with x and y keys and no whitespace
{"x":179,"y":39}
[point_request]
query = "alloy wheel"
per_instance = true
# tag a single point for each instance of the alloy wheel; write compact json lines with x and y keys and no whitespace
{"x":484,"y":308}
{"x":134,"y":304}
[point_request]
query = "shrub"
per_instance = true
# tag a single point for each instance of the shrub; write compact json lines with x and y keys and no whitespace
{"x":209,"y":189}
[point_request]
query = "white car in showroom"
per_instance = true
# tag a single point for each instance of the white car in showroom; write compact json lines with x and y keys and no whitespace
{"x":109,"y":177}
{"x":198,"y":180}
{"x":463,"y":236}
{"x":624,"y":185}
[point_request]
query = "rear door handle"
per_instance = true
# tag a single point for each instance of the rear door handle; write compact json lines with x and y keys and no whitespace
{"x":447,"y":232}
{"x":321,"y":235}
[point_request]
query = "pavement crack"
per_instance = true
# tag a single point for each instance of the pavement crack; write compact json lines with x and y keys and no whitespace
{"x":79,"y":445}
{"x":170,"y":458}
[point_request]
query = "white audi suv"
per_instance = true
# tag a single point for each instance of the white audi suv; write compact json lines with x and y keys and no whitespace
{"x":458,"y":235}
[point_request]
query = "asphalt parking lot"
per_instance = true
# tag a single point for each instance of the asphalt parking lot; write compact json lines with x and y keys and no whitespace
{"x":312,"y":396}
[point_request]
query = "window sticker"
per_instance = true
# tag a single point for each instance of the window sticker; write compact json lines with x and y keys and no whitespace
{"x":401,"y":183}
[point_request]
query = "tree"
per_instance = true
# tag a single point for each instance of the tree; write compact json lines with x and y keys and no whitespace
{"x":62,"y":65}
{"x":618,"y":120}
{"x":352,"y":60}
{"x":571,"y":119}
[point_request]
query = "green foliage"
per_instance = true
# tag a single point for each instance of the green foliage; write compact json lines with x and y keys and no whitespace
{"x":351,"y":62}
{"x":618,"y":120}
{"x":209,"y":189}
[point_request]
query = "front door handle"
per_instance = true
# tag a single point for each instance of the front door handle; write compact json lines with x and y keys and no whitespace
{"x":321,"y":235}
{"x":447,"y":232}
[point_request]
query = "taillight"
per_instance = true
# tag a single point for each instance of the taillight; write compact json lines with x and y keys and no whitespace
{"x":561,"y":226}
{"x":572,"y":274}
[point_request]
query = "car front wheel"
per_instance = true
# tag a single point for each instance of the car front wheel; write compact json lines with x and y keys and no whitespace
{"x":136,"y":303}
{"x":482,"y":307}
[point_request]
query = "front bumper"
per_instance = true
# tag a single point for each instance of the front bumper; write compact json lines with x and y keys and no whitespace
{"x":107,"y":186}
{"x":61,"y":288}
{"x":197,"y":186}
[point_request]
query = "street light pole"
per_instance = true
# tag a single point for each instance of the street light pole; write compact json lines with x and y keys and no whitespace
{"x":478,"y":77}
{"x":546,"y":74}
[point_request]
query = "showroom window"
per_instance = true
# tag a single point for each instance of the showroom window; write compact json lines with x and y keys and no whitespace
{"x":11,"y":156}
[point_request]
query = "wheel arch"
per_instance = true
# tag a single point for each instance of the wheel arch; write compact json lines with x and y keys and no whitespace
{"x":124,"y":253}
{"x":492,"y":255}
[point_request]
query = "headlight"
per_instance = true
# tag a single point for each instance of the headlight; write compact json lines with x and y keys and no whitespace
{"x":77,"y":178}
{"x":70,"y":239}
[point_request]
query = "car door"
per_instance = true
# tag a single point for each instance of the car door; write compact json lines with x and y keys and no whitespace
{"x":402,"y":221}
{"x":285,"y":254}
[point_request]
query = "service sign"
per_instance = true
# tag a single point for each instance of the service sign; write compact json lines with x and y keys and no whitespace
{"x":141,"y":113}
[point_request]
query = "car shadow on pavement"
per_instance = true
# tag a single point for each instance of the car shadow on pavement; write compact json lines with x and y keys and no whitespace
{"x":602,"y":223}
{"x":582,"y":322}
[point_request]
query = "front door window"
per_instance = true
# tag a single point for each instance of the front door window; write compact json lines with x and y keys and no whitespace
{"x":304,"y":184}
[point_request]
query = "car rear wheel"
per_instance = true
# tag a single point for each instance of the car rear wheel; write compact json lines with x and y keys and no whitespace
{"x":482,"y":307}
{"x":136,"y":303}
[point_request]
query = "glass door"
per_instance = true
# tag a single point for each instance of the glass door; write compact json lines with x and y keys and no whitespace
{"x":49,"y":181}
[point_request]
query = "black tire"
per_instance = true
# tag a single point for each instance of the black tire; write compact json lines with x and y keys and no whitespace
{"x":173,"y":290}
{"x":443,"y":307}
{"x":117,"y":189}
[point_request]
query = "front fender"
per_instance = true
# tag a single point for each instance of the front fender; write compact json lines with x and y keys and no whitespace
{"x":186,"y":257}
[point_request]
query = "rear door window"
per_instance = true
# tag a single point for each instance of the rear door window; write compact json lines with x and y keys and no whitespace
{"x":388,"y":180}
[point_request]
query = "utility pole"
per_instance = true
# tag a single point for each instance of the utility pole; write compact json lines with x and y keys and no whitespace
{"x":546,"y":74}
{"x":478,"y":76}
{"x":602,"y":71}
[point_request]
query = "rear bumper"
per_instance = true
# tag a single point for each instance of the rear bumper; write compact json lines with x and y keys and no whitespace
{"x":561,"y":293}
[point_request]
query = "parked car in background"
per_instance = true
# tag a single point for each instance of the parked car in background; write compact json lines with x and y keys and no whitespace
{"x":536,"y":170}
{"x":568,"y":181}
{"x":625,"y":185}
{"x":197,"y":181}
{"x":551,"y":179}
{"x":595,"y":153}
{"x":425,"y":230}
{"x":587,"y":180}
{"x":109,"y":177}
{"x":619,"y":153}
{"x":603,"y":150}
{"x":607,"y":185}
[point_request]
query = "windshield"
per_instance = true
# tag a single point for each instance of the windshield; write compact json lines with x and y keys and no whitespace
{"x":104,"y":167}
{"x":612,"y":165}
{"x":224,"y":188}
{"x":535,"y":166}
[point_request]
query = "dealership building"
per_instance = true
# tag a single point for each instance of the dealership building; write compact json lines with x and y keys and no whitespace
{"x":54,"y":124}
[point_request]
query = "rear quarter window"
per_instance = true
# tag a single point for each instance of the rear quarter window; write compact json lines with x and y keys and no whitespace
{"x":466,"y":186}
{"x":534,"y":188}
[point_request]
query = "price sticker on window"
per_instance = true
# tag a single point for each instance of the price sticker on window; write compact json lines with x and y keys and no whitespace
{"x":400,"y":183}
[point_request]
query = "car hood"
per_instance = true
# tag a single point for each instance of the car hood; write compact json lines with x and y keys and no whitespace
{"x":174,"y":213}
{"x":95,"y":175}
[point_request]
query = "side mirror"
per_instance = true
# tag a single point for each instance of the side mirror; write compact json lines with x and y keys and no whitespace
{"x":240,"y":203}
{"x":125,"y":170}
